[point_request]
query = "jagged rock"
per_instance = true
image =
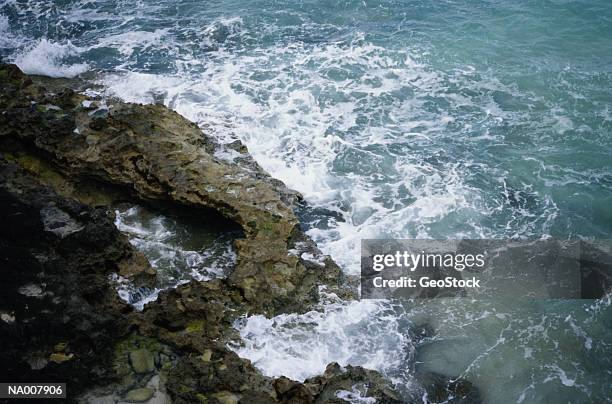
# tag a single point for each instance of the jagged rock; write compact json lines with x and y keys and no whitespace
{"x":136,"y":268}
{"x":224,"y":373}
{"x":156,"y":155}
{"x":238,"y":381}
{"x":339,"y":385}
{"x":291,"y":391}
{"x":354,"y":380}
{"x":64,"y":315}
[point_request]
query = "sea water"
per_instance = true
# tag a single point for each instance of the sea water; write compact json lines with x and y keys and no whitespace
{"x":405,"y":119}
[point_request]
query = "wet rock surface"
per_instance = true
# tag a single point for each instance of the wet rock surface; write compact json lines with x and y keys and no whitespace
{"x":60,"y":318}
{"x":65,"y":159}
{"x":153,"y":154}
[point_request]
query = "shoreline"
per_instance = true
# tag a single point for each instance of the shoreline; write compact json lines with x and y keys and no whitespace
{"x":68,"y":150}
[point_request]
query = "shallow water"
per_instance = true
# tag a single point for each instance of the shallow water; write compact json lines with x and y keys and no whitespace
{"x":179,"y":249}
{"x":476,"y":119}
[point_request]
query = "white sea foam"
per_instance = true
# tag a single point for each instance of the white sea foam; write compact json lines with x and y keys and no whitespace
{"x":47,"y":58}
{"x":355,"y":396}
{"x":6,"y":37}
{"x":156,"y":238}
{"x":356,"y":333}
{"x":138,"y":298}
{"x":127,"y":42}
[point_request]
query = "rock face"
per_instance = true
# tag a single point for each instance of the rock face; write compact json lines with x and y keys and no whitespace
{"x":59,"y":317}
{"x":338,"y":384}
{"x":153,"y":154}
{"x":64,"y":161}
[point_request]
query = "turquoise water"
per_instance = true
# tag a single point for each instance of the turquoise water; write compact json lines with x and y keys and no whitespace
{"x":398,"y":119}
